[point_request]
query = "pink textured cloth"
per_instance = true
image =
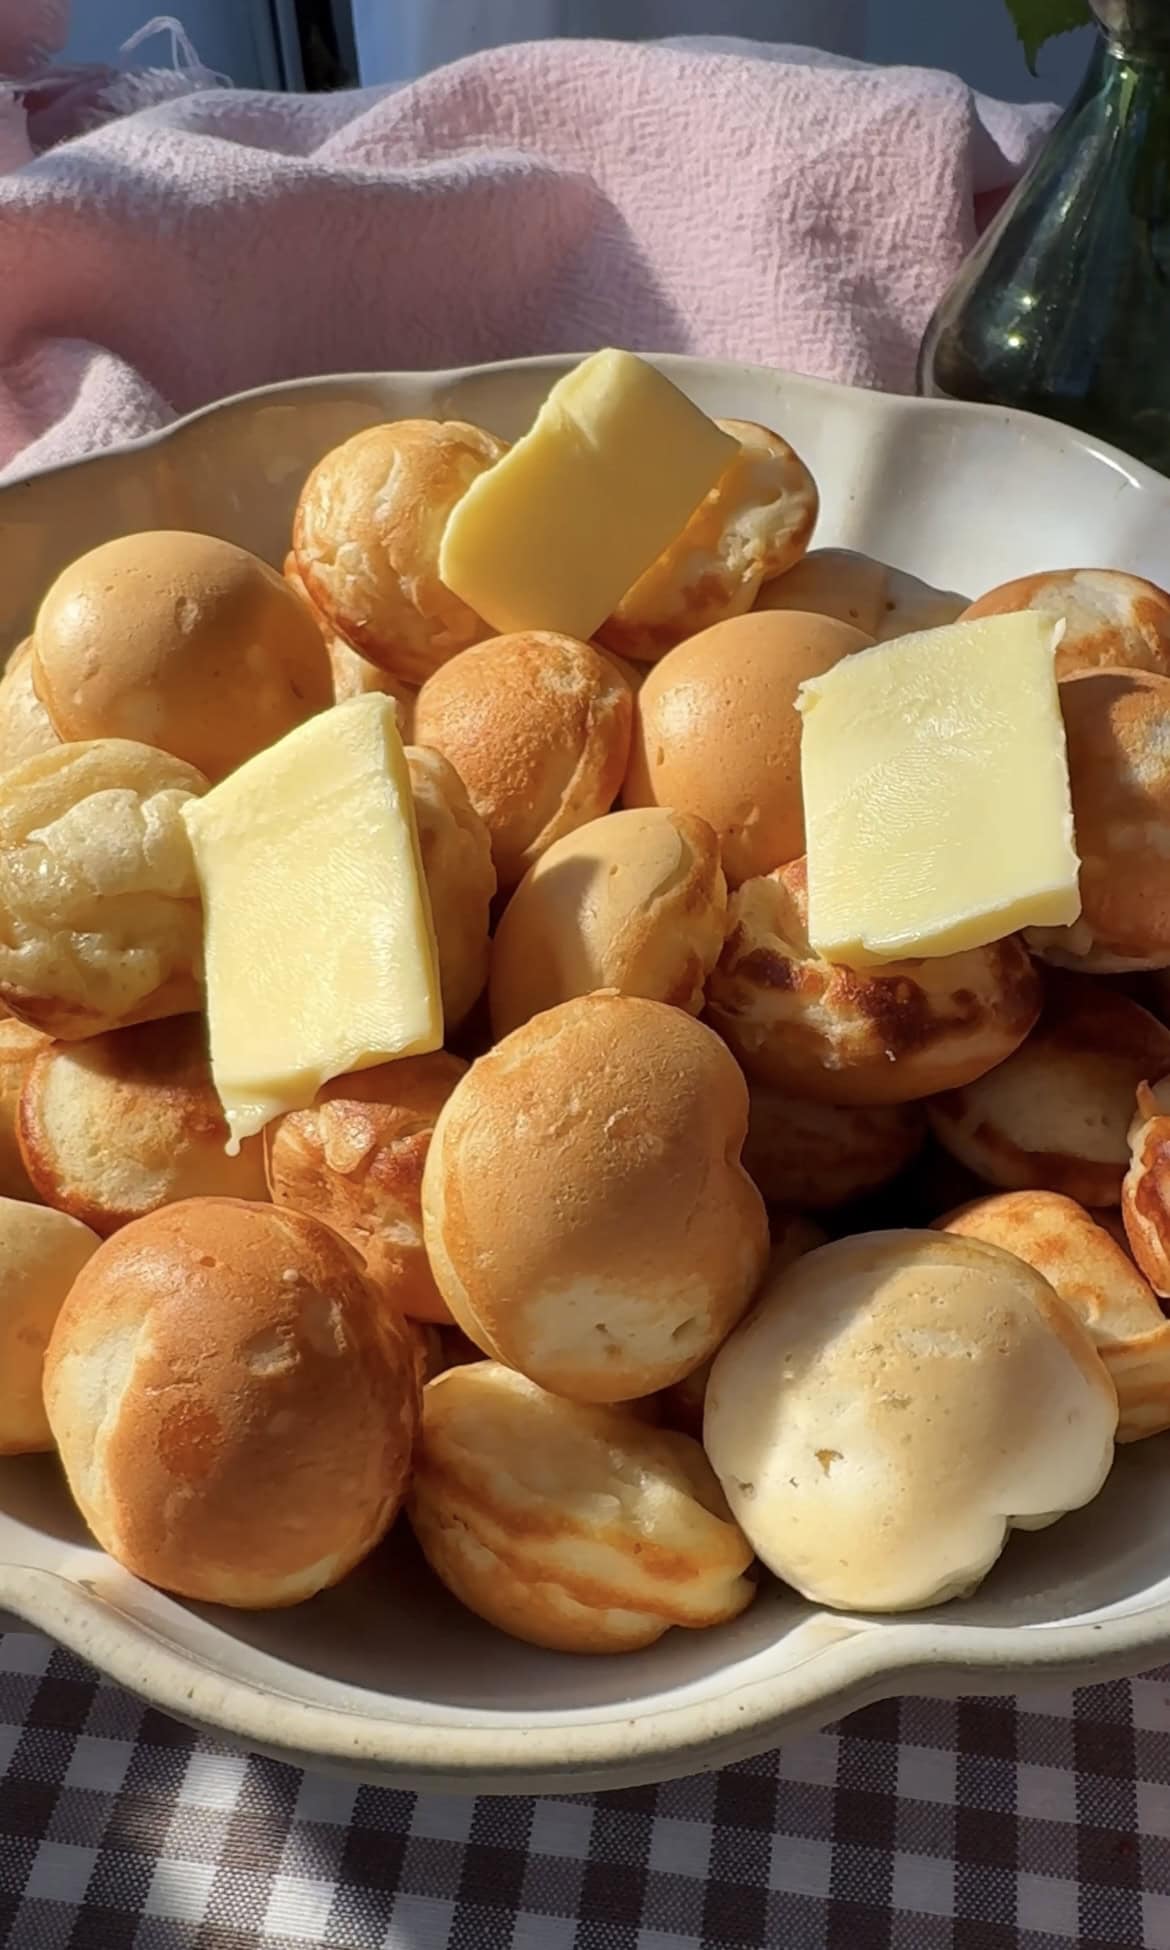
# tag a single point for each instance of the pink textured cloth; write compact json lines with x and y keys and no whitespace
{"x":736,"y":201}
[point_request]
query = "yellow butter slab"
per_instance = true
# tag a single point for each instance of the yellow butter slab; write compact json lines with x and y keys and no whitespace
{"x":936,"y":793}
{"x":554,"y":534}
{"x":320,"y":949}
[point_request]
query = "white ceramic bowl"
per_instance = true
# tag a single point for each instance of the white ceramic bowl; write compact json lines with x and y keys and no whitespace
{"x":386,"y":1676}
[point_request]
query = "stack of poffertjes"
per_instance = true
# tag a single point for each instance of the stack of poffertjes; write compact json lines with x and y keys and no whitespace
{"x":689,"y":1249}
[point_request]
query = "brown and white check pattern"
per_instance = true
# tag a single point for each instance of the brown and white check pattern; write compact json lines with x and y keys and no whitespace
{"x":1025,"y":1824}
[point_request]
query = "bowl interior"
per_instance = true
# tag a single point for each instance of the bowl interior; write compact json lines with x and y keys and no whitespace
{"x":390,"y":1642}
{"x":963,"y":497}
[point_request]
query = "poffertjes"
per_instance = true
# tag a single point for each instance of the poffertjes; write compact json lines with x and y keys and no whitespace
{"x":98,"y":884}
{"x":881,"y":1035}
{"x":502,"y":1286}
{"x":118,"y":1125}
{"x":755,"y":523}
{"x":538,"y":728}
{"x":1116,"y":725}
{"x":456,"y":851}
{"x":182,"y":641}
{"x":211,"y":1355}
{"x":634,"y":901}
{"x":25,"y":726}
{"x":41,"y":1254}
{"x":1094,"y":1276}
{"x":353,"y":675}
{"x":815,"y":1156}
{"x":1056,"y":1115}
{"x":366,"y":540}
{"x":605,"y":1121}
{"x":18,"y":1046}
{"x":882,"y":601}
{"x":355,"y":1161}
{"x":569,"y":1524}
{"x":893,"y":1406}
{"x":717,"y":734}
{"x":1111,"y":621}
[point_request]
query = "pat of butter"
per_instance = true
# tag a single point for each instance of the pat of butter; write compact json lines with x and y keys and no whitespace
{"x":554,"y":534}
{"x":936,"y":793}
{"x":320,"y":949}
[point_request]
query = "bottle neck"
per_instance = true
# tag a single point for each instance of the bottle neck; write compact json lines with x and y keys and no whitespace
{"x":1136,"y":30}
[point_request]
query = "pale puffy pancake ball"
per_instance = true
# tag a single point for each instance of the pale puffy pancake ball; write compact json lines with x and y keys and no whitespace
{"x":234,"y":1411}
{"x":882,"y":1035}
{"x":1055,"y":1117}
{"x":353,"y":675}
{"x":634,"y":901}
{"x":182,"y":641}
{"x":25,"y":726}
{"x":41,"y":1254}
{"x":113,"y":1127}
{"x":1094,"y":1276}
{"x":366,"y":538}
{"x":585,"y":1212}
{"x":894,"y":1406}
{"x":537,"y":726}
{"x":1117,"y":724}
{"x":882,"y":601}
{"x":815,"y":1156}
{"x":717,"y":732}
{"x":567,"y":1524}
{"x":18,"y":1046}
{"x":754,"y":523}
{"x":104,"y":924}
{"x":1111,"y":620}
{"x":456,"y":853}
{"x":355,"y":1160}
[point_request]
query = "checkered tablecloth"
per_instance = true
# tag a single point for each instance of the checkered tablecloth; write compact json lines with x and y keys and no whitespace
{"x":1031,"y":1823}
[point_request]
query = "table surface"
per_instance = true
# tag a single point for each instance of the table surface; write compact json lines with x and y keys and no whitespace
{"x":918,"y":1824}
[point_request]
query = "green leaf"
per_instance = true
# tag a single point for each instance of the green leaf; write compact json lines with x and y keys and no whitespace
{"x":1036,"y":21}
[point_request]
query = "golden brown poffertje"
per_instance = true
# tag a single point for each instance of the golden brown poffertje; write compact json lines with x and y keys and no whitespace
{"x":634,"y":901}
{"x":104,"y":925}
{"x":538,"y":728}
{"x":114,"y":1127}
{"x":1094,"y":1276}
{"x":352,"y":674}
{"x":717,"y":733}
{"x":41,"y":1254}
{"x":1110,"y":620}
{"x":1056,"y":1116}
{"x":25,"y":726}
{"x":614,"y":1126}
{"x":234,"y":1410}
{"x":182,"y":641}
{"x":815,"y":1156}
{"x":754,"y":524}
{"x":893,"y":1406}
{"x":19,"y":1044}
{"x":882,"y":1035}
{"x":1117,"y":724}
{"x":681,"y":1405}
{"x":568,"y":1524}
{"x":366,"y":538}
{"x":456,"y":853}
{"x":355,"y":1161}
{"x":1145,"y":1192}
{"x":856,"y":589}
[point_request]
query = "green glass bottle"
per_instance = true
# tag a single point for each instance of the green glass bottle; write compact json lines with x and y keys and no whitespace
{"x":1063,"y":307}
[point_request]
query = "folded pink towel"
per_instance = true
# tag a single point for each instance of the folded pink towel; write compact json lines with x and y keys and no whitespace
{"x":742,"y":202}
{"x":30,"y":29}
